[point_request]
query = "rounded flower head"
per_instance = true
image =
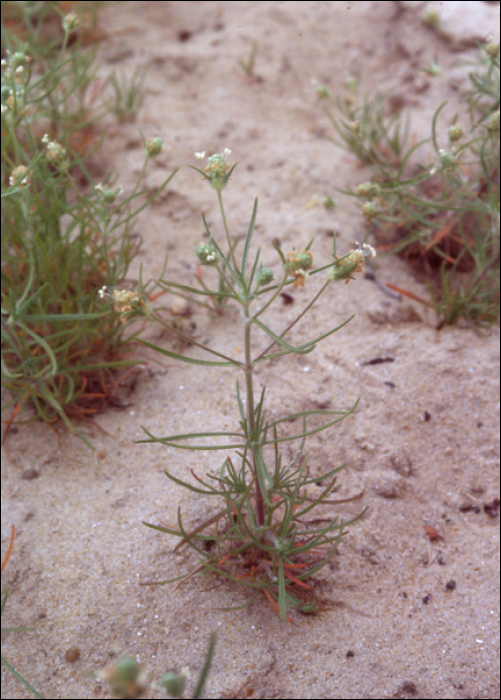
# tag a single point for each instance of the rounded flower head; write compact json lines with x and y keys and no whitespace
{"x":344,"y":267}
{"x":55,"y":153}
{"x":126,"y":677}
{"x":207,"y":255}
{"x":264,"y":276}
{"x":433,"y":69}
{"x":217,"y":170}
{"x":432,"y":17}
{"x":492,"y":123}
{"x":456,"y":132}
{"x":153,"y":146}
{"x":174,"y":683}
{"x":20,"y":177}
{"x":368,"y":190}
{"x":126,"y":303}
{"x":492,"y":49}
{"x":217,"y":165}
{"x":16,"y":60}
{"x":371,"y":209}
{"x":322,"y":91}
{"x":297,"y":262}
{"x":108,"y":195}
{"x":70,"y":22}
{"x":447,"y":159}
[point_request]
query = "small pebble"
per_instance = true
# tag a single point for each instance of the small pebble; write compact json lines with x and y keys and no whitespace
{"x":180,"y":307}
{"x":72,"y":654}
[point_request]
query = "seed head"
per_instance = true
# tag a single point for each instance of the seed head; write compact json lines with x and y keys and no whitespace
{"x":126,"y":303}
{"x":108,"y":195}
{"x":368,"y":190}
{"x":16,"y":59}
{"x":329,"y":202}
{"x":174,"y":683}
{"x":456,"y":132}
{"x":207,"y":255}
{"x":371,"y":210}
{"x":70,"y":22}
{"x":264,"y":276}
{"x":447,"y":159}
{"x":351,"y":83}
{"x":126,"y":678}
{"x":433,"y":69}
{"x":353,"y":262}
{"x":322,"y":91}
{"x":297,"y":262}
{"x":154,"y":146}
{"x":432,"y":17}
{"x":492,"y":123}
{"x":19,"y":178}
{"x":492,"y":49}
{"x":54,"y":152}
{"x":217,"y":170}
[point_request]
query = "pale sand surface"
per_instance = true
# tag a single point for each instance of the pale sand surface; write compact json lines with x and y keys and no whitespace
{"x":81,"y":550}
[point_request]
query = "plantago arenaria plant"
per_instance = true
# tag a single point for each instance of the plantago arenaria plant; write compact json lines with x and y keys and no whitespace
{"x":264,"y":533}
{"x":441,"y":213}
{"x":64,"y":237}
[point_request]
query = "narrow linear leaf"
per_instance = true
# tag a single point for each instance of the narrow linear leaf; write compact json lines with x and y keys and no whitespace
{"x":281,"y":341}
{"x":248,"y":237}
{"x":183,"y":358}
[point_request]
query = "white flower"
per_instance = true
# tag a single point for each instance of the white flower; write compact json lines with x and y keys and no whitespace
{"x":367,"y":250}
{"x":19,"y":178}
{"x":353,"y":262}
{"x":217,"y":170}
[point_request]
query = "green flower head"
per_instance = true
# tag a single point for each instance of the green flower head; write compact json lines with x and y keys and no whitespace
{"x":217,"y":171}
{"x":153,"y":146}
{"x":297,"y":262}
{"x":264,"y":276}
{"x":343,"y":268}
{"x":207,"y":255}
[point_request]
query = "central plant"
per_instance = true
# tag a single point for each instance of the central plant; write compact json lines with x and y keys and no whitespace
{"x":261,"y":535}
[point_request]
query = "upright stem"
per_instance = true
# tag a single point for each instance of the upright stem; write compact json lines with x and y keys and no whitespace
{"x":228,"y":239}
{"x":249,"y":368}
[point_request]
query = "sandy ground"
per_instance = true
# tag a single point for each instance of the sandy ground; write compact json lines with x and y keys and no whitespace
{"x":409,"y":617}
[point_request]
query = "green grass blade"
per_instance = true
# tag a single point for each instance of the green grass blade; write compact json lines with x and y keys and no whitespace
{"x":205,"y":668}
{"x":21,"y":679}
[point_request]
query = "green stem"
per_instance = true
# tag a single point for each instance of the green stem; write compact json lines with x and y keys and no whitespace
{"x":249,"y":368}
{"x":141,"y":175}
{"x":228,"y":239}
